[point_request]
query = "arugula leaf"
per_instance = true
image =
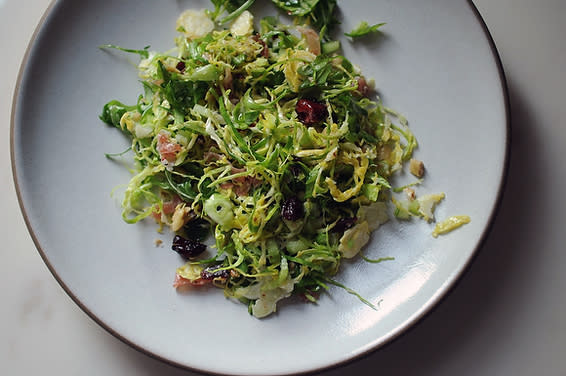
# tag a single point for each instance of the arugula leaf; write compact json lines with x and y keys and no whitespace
{"x":222,"y":5}
{"x":363,"y":29}
{"x":324,"y":18}
{"x":184,"y":190}
{"x":236,"y":11}
{"x":296,"y":7}
{"x":319,"y":13}
{"x":229,"y":5}
{"x":321,"y":75}
{"x":311,"y":181}
{"x":182,"y":95}
{"x":113,"y":111}
{"x":233,"y":7}
{"x":203,"y":187}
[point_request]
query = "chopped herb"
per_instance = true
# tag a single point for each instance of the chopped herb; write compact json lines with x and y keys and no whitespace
{"x":364,"y":29}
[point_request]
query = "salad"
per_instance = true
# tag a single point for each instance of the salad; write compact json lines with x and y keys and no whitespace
{"x":268,"y":141}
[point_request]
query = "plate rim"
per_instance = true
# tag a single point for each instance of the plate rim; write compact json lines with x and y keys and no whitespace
{"x":429,"y":308}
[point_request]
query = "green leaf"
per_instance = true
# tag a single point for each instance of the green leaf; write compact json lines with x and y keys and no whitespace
{"x":296,"y":7}
{"x":183,"y":95}
{"x":113,"y":111}
{"x":184,"y":190}
{"x":311,"y":180}
{"x":236,"y":7}
{"x":319,"y":13}
{"x":205,"y":188}
{"x":363,"y":29}
{"x":323,"y":17}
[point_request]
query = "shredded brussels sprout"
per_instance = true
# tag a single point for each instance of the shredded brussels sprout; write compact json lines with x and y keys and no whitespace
{"x":450,"y":224}
{"x":269,"y":140}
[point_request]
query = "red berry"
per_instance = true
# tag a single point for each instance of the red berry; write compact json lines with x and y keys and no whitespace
{"x":344,"y":223}
{"x":311,"y":112}
{"x":292,"y":209}
{"x":186,"y":247}
{"x":180,"y":66}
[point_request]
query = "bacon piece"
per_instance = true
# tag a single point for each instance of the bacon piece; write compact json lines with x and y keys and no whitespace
{"x":182,"y":282}
{"x":264,"y":50}
{"x":168,"y":207}
{"x":167,"y":148}
{"x":312,"y":39}
{"x":244,"y":184}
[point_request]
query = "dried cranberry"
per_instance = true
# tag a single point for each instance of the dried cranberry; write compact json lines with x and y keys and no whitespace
{"x":292,"y":209}
{"x":310,"y":112}
{"x":180,"y":66}
{"x":186,"y":247}
{"x":211,"y":272}
{"x":344,"y":223}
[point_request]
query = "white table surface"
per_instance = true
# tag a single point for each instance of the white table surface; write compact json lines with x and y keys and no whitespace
{"x":507,"y":316}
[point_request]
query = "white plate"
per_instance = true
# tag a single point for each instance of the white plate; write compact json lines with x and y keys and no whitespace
{"x":435,"y":63}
